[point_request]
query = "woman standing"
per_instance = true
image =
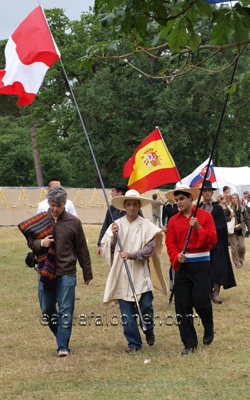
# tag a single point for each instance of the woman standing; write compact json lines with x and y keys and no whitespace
{"x":237,"y":239}
{"x":222,"y":201}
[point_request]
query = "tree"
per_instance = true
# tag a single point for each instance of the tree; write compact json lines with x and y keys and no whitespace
{"x":172,"y":31}
{"x":16,"y":165}
{"x":120,"y":106}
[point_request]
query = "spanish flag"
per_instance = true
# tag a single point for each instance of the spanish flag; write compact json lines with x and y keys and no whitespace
{"x":151,"y":165}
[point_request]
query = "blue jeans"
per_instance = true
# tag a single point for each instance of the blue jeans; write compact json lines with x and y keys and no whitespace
{"x":130,"y":319}
{"x":59,"y":319}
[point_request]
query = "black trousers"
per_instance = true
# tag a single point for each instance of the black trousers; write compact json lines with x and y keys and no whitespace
{"x":193,"y":291}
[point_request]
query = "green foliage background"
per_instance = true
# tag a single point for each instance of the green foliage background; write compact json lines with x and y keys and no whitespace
{"x":120,"y":106}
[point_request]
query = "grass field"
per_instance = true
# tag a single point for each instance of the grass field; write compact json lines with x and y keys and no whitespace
{"x":98,"y":367}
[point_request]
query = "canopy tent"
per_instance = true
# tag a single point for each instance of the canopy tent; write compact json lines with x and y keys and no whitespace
{"x":238,"y":179}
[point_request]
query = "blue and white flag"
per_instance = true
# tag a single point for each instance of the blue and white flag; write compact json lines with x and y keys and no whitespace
{"x":196,"y":178}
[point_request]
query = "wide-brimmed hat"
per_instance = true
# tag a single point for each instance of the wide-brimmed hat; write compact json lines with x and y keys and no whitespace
{"x":208,"y":185}
{"x":170,"y":194}
{"x":118,"y":201}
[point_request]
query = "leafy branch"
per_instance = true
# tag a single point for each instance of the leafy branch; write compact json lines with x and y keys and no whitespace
{"x":190,"y":32}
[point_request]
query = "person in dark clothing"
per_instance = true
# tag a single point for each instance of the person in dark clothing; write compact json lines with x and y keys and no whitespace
{"x":222,"y":270}
{"x":169,"y":209}
{"x":117,"y":189}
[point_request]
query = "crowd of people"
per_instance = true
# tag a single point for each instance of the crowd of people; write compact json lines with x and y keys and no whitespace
{"x":239,"y":213}
{"x":197,"y":243}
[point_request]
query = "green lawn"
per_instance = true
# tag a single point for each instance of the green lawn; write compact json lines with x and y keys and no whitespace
{"x":98,"y":367}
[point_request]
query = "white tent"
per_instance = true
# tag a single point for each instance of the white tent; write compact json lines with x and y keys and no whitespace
{"x":238,"y":179}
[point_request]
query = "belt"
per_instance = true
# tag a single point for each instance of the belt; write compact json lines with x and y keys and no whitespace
{"x":197,"y":257}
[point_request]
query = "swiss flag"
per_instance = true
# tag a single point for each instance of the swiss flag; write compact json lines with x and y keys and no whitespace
{"x":29,"y":53}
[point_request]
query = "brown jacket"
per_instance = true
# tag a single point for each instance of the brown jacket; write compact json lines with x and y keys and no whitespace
{"x":70,"y":245}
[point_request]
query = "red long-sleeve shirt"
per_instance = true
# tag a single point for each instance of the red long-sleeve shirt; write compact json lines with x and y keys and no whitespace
{"x":201,"y":240}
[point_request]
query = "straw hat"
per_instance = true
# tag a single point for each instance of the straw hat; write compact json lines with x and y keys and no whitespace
{"x":184,"y":189}
{"x":118,"y":201}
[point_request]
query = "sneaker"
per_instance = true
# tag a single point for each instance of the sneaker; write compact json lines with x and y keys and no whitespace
{"x":150,"y":339}
{"x":63,"y":353}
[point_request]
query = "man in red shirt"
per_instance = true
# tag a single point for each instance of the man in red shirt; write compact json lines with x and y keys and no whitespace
{"x":192,"y":288}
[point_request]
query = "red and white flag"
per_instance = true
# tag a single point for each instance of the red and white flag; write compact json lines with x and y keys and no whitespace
{"x":29,"y":53}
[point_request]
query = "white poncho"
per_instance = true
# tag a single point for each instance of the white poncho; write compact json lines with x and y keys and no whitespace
{"x":145,"y":275}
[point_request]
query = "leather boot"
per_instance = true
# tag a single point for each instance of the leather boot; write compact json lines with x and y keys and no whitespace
{"x":215,"y":294}
{"x":206,"y":316}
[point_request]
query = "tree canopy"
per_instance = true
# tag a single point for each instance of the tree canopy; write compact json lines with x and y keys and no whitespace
{"x":120,"y":105}
{"x":184,"y":35}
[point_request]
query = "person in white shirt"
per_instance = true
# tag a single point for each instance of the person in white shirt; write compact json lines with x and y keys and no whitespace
{"x":44,"y":205}
{"x":244,"y":201}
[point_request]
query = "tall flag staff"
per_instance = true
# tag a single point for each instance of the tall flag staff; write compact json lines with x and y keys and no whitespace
{"x":30,"y":52}
{"x":203,"y":182}
{"x":144,"y":327}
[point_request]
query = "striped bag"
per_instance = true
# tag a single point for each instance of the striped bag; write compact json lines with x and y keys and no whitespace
{"x":38,"y":227}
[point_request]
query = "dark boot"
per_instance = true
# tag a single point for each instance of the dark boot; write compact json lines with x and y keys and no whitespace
{"x":206,"y":316}
{"x":215,"y":293}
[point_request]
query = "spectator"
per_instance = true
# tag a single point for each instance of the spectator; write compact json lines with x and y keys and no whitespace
{"x":244,"y":200}
{"x":168,"y":210}
{"x":222,"y":201}
{"x":227,"y":194}
{"x":157,"y":204}
{"x":44,"y":205}
{"x":117,"y":189}
{"x":237,"y":239}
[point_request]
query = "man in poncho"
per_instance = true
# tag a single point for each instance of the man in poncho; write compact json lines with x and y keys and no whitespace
{"x":140,"y":240}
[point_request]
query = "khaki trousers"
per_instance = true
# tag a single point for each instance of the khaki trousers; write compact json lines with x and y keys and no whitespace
{"x":238,"y":249}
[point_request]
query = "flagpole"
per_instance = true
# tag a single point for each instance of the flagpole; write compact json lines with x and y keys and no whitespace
{"x":203,"y":182}
{"x":144,"y":327}
{"x":164,"y":144}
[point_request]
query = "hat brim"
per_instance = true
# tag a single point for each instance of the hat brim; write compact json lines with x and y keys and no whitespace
{"x":208,"y":188}
{"x":170,"y":194}
{"x":118,"y":201}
